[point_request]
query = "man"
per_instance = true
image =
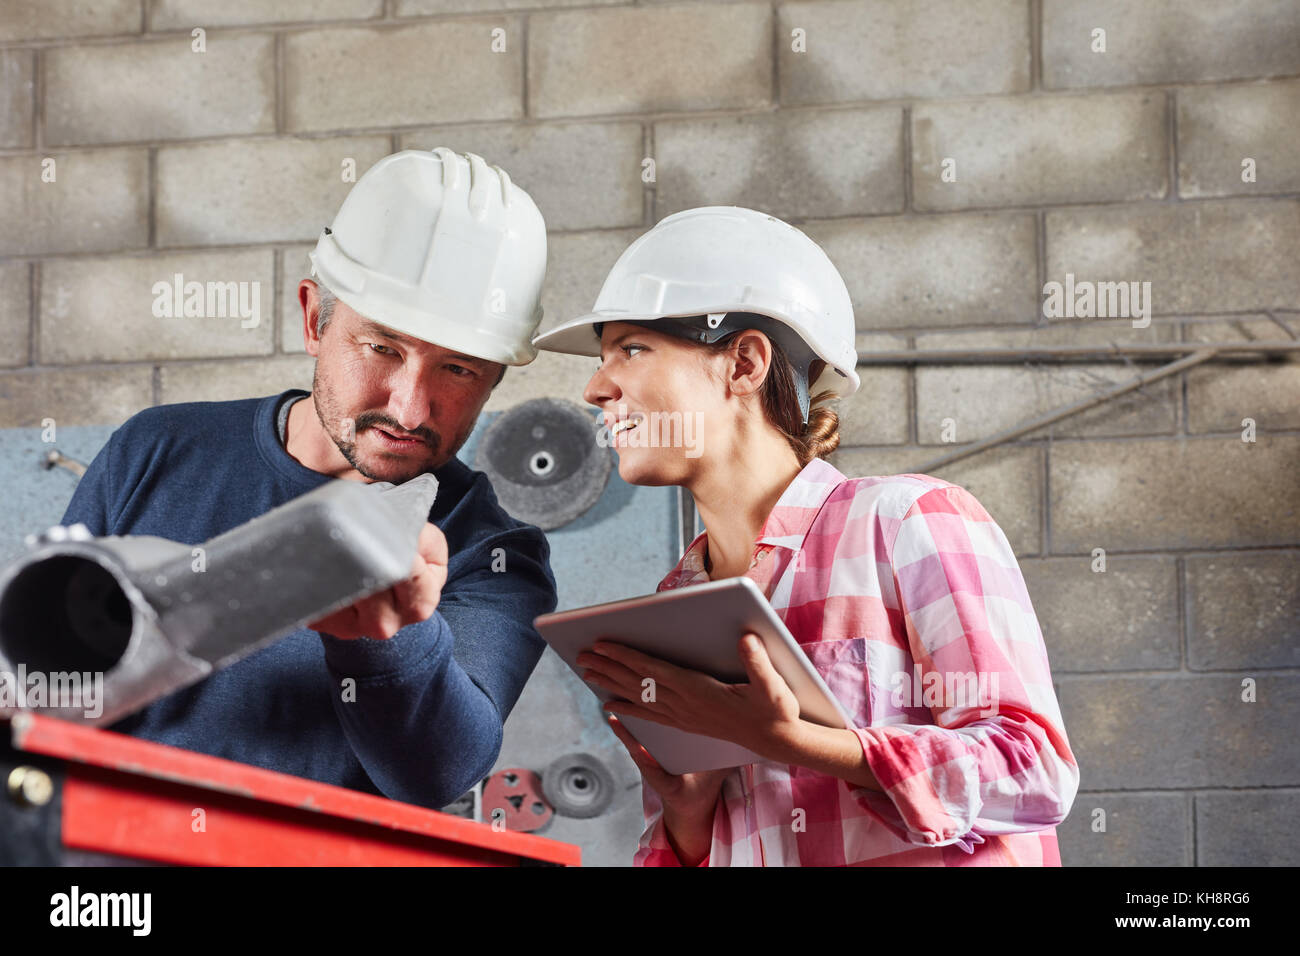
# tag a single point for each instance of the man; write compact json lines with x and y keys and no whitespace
{"x":428,"y":288}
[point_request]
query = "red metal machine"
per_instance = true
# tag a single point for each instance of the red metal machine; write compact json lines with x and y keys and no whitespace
{"x":78,"y":794}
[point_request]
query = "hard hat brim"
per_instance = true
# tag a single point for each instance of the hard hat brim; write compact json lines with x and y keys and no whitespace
{"x":578,"y":337}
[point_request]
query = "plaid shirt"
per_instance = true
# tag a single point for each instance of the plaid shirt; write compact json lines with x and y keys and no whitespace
{"x":908,"y":600}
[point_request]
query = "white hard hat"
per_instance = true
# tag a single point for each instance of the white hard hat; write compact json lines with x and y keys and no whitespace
{"x":443,"y":247}
{"x":715,"y":260}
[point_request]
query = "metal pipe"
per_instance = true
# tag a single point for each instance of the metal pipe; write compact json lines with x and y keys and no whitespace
{"x":150,"y":616}
{"x":1075,"y":353}
{"x":1065,"y":411}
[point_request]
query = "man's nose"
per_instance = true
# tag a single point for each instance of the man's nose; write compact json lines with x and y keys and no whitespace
{"x":410,"y":397}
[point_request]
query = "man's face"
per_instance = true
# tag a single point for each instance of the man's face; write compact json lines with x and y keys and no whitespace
{"x":395,"y":406}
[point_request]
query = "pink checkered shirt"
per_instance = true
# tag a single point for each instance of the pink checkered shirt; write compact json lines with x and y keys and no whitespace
{"x":905,"y":594}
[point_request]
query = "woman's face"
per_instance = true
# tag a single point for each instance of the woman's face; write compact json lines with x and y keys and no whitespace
{"x":657,"y":396}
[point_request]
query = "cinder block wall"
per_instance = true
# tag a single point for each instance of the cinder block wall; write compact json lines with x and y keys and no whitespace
{"x":952,"y":156}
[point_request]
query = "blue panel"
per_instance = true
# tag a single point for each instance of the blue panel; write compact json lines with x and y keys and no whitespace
{"x":33,"y":498}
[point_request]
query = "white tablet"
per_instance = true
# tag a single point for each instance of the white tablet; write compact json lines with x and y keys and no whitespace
{"x":696,"y":627}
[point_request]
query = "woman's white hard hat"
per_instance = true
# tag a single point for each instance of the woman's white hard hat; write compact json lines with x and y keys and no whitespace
{"x":440,"y":246}
{"x":714,"y":260}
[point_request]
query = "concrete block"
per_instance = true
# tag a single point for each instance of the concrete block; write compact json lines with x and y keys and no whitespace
{"x":1179,"y":731}
{"x":257,"y":191}
{"x":1243,"y":610}
{"x":100,"y":395}
{"x":1209,"y":256}
{"x":649,"y":59}
{"x":580,"y":175}
{"x":1122,"y":618}
{"x":15,"y":312}
{"x":1031,"y":150}
{"x":1168,"y":41}
{"x":1222,"y":395}
{"x":910,"y":271}
{"x":17,"y":97}
{"x":1141,"y":829}
{"x":1165,"y":493}
{"x":159,"y":90}
{"x":294,"y":267}
{"x":576,"y":267}
{"x":878,"y":50}
{"x":879,"y":412}
{"x":186,"y":14}
{"x":1246,"y":829}
{"x":46,"y":19}
{"x":982,"y":400}
{"x":424,"y":8}
{"x":124,"y":309}
{"x":792,"y":164}
{"x":1220,"y":127}
{"x":438,"y":72}
{"x":94,"y":200}
{"x":231,"y":380}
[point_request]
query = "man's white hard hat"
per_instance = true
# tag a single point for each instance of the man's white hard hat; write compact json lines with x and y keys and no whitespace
{"x":443,"y":247}
{"x":701,"y":264}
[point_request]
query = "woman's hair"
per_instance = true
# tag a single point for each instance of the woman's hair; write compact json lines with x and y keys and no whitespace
{"x":780,"y":399}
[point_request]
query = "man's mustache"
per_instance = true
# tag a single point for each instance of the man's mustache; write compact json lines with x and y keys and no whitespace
{"x":429,"y":438}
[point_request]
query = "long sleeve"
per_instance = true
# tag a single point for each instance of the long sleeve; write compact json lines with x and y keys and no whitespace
{"x":421,"y":720}
{"x":996,"y":759}
{"x":654,"y":849}
{"x":93,"y":500}
{"x":425,"y":712}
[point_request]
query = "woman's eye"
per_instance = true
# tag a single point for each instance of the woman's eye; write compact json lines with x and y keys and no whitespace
{"x":628,"y":348}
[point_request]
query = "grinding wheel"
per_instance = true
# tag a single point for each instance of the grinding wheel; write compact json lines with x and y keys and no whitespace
{"x":544,"y":462}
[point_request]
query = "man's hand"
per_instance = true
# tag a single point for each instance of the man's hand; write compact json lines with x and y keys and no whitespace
{"x":408,"y":602}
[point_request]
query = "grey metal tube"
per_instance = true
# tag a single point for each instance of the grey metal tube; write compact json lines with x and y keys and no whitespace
{"x":152,"y":616}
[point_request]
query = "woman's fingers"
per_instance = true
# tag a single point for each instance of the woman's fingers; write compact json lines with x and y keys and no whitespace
{"x":758,"y":666}
{"x":639,"y":677}
{"x":654,"y":774}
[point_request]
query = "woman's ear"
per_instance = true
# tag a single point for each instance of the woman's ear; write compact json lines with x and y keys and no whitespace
{"x":750,"y":358}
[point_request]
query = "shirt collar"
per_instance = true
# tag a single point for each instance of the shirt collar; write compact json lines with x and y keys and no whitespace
{"x":786,"y":526}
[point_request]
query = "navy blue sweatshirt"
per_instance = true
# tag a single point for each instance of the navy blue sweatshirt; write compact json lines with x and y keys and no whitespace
{"x":430,"y":702}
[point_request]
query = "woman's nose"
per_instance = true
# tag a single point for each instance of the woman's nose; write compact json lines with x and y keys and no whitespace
{"x":600,"y":389}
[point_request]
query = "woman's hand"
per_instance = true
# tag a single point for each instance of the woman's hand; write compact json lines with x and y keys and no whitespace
{"x":689,"y":799}
{"x":761,"y":715}
{"x":687,"y":794}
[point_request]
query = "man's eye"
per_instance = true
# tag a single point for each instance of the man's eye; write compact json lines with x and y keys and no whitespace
{"x":627,"y":348}
{"x":381,"y":349}
{"x":460,"y":370}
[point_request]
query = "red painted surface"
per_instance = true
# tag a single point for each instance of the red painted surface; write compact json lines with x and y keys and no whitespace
{"x":137,"y":798}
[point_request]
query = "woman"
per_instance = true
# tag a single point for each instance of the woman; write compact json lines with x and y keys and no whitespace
{"x":901,"y":590}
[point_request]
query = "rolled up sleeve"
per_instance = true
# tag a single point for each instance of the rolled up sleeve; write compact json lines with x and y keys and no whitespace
{"x":996,"y":759}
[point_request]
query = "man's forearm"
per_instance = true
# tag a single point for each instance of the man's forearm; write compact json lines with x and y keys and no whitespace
{"x":421,"y":728}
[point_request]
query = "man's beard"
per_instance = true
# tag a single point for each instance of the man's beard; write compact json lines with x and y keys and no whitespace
{"x":327,"y":411}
